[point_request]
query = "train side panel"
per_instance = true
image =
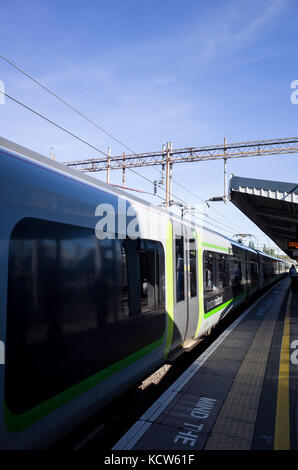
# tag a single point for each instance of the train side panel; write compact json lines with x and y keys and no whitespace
{"x":78,"y":330}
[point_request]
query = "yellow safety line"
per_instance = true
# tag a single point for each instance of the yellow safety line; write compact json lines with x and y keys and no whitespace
{"x":282,"y":418}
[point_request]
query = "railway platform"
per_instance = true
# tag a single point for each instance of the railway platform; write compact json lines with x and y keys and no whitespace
{"x":241,"y":393}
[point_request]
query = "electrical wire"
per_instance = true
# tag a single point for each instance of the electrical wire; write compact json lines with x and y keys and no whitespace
{"x":51,"y":122}
{"x":95,"y":148}
{"x":65,"y":103}
{"x":211,"y":207}
{"x":96,"y":125}
{"x":68,"y":132}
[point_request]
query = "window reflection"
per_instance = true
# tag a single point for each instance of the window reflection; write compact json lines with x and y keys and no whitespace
{"x":75,"y":305}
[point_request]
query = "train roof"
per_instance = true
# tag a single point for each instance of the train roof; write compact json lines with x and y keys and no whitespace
{"x":61,"y":167}
{"x":77,"y":175}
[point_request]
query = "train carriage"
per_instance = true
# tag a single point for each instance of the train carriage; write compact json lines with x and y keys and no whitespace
{"x":91,"y":304}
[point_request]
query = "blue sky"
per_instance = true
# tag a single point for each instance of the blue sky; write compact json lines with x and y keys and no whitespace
{"x":190,"y":72}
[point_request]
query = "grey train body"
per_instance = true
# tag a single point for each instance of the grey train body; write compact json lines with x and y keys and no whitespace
{"x":84,"y":317}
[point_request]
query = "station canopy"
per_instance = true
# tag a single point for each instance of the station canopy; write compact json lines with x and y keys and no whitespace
{"x":272,"y":206}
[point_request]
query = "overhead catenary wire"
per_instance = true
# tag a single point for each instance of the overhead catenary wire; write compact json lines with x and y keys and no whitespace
{"x":95,"y":148}
{"x":90,"y":121}
{"x":67,"y":131}
{"x":17,"y":67}
{"x":65,"y":102}
{"x":107,"y":133}
{"x":51,"y":122}
{"x":199,"y":198}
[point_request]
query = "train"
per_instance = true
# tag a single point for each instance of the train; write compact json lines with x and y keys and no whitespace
{"x":98,"y":288}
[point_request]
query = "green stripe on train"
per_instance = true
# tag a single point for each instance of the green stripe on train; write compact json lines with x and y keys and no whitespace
{"x":15,"y":423}
{"x":222,"y":306}
{"x":215,"y":247}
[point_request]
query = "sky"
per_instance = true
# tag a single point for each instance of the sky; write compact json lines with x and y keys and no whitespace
{"x":188,"y":71}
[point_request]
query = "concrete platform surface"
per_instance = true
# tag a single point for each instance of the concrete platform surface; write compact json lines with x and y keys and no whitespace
{"x":241,"y":393}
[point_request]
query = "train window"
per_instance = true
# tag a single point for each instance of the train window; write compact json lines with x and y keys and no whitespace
{"x":193,"y":267}
{"x":265,"y":271}
{"x":125,"y":303}
{"x":144,"y":290}
{"x":223,"y":277}
{"x":75,"y":306}
{"x":215,"y":279}
{"x":216,"y":271}
{"x":149,"y":258}
{"x":223,"y":270}
{"x":254,"y":272}
{"x":179,"y":269}
{"x":238,"y":271}
{"x":208,"y":271}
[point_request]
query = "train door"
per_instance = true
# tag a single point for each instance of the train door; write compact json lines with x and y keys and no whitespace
{"x":186,"y":303}
{"x":192,"y":282}
{"x":180,"y":285}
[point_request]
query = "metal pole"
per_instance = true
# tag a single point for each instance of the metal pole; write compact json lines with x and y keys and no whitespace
{"x":123,"y":170}
{"x":167,"y":174}
{"x":171,"y":173}
{"x":109,"y":165}
{"x":163,"y":166}
{"x":225,"y":198}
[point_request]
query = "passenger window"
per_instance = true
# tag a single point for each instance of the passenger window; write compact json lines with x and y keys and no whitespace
{"x":149,"y":258}
{"x":216,"y":279}
{"x":253,"y":271}
{"x":237,"y":272}
{"x":208,"y":271}
{"x":141,"y":265}
{"x":193,"y":267}
{"x":82,"y":305}
{"x":223,"y":271}
{"x":179,"y":269}
{"x":125,"y":304}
